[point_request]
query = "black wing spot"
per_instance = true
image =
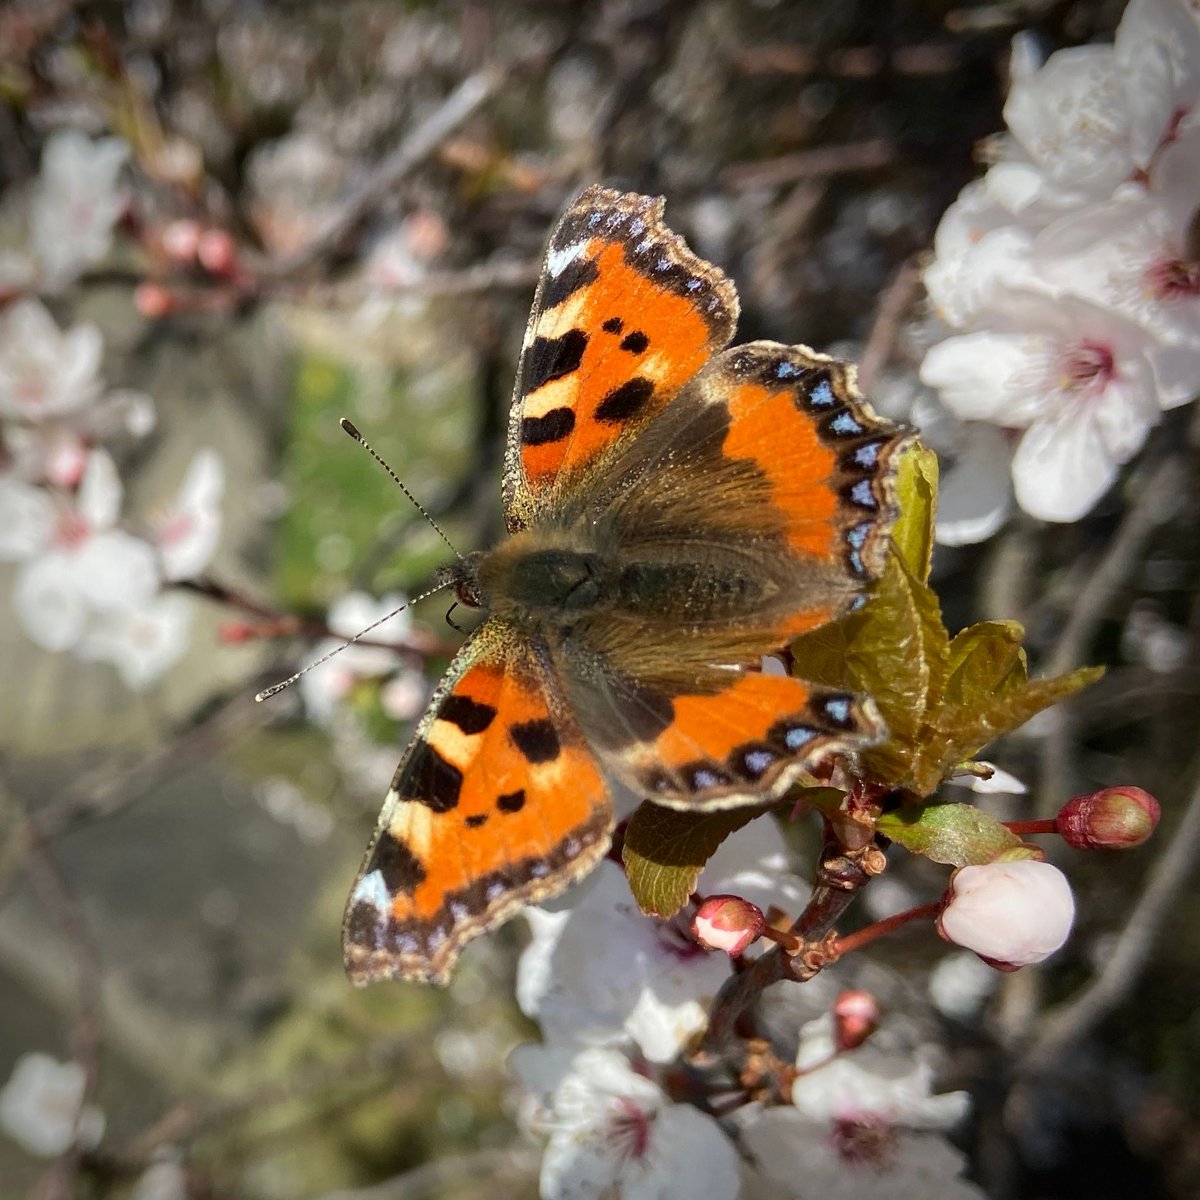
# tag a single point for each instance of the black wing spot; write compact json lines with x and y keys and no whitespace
{"x":552,"y":358}
{"x":397,"y":865}
{"x":625,"y":401}
{"x":550,"y":427}
{"x":613,"y":325}
{"x":511,"y":802}
{"x":469,"y":715}
{"x":431,"y":780}
{"x":577,"y":274}
{"x":536,"y":740}
{"x":636,"y":342}
{"x":474,"y":822}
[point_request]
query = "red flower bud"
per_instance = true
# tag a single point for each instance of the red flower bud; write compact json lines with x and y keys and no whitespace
{"x":233,"y":633}
{"x":855,"y":1018}
{"x":217,"y":252}
{"x":727,"y":923}
{"x":1116,"y":818}
{"x":153,"y":300}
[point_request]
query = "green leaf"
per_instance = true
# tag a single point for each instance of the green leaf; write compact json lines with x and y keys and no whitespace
{"x":916,"y":492}
{"x":665,"y":851}
{"x":982,"y":658}
{"x":956,"y":834}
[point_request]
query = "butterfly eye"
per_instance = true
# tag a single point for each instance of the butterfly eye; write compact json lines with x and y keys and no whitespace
{"x":467,"y":593}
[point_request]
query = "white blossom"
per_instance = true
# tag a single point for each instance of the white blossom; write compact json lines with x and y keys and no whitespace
{"x":597,"y":971}
{"x":40,"y":1106}
{"x":142,"y":642}
{"x":77,"y":562}
{"x":186,"y":534}
{"x":612,"y":1132}
{"x":44,"y":371}
{"x":849,"y":1160}
{"x":76,"y":203}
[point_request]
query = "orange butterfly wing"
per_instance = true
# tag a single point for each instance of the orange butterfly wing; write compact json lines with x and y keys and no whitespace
{"x":625,"y":314}
{"x":496,"y":803}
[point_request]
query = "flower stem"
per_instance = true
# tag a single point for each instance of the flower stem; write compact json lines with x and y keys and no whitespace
{"x":861,"y":937}
{"x":1041,"y":825}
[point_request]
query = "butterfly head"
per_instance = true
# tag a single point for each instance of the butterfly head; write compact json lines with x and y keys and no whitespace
{"x":463,"y":576}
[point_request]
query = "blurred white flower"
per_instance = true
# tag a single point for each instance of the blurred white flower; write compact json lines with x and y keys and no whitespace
{"x":77,"y":201}
{"x":164,"y":1179}
{"x":76,"y":562}
{"x":40,"y":1106}
{"x":850,"y":1160}
{"x":143,"y":642}
{"x":186,"y":534}
{"x":325,"y":688}
{"x":597,"y":971}
{"x":870,"y":1084}
{"x":1011,"y":914}
{"x":1078,"y":378}
{"x":614,"y":1133}
{"x":959,"y":985}
{"x":44,"y":371}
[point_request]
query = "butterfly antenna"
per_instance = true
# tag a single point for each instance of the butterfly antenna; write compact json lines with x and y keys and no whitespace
{"x":349,"y":427}
{"x":276,"y":688}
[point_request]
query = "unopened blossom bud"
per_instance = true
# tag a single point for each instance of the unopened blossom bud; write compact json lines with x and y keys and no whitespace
{"x":1116,"y":818}
{"x":855,"y":1018}
{"x":1009,"y":913}
{"x":180,"y":240}
{"x":727,"y":923}
{"x":217,"y":252}
{"x":234,"y":633}
{"x":153,"y":300}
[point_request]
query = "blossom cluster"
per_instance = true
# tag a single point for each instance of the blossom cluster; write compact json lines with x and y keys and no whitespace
{"x":619,"y":996}
{"x":1068,"y":276}
{"x":88,"y":579}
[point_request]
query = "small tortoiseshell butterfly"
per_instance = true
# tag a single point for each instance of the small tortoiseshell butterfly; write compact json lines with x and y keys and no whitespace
{"x":675,"y":510}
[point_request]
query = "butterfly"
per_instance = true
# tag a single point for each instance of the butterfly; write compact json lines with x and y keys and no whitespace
{"x":674,"y":511}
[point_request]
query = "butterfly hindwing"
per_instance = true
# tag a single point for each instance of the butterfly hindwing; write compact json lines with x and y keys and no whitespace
{"x":497,"y":802}
{"x":625,"y":314}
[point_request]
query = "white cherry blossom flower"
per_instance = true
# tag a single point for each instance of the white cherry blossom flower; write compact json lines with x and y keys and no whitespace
{"x":40,"y":1106}
{"x":77,"y":201}
{"x":46,"y":372}
{"x":186,"y":535}
{"x":1157,"y":54}
{"x":1011,"y":914}
{"x":871,"y":1084}
{"x":142,"y":642}
{"x":614,"y":1133}
{"x":1078,"y":378}
{"x":597,"y":971}
{"x":325,"y":688}
{"x":77,"y":562}
{"x":1134,"y":254}
{"x":853,"y":1161}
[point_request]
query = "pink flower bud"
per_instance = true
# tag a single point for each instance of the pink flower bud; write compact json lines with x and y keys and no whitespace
{"x":234,"y":633}
{"x":180,"y":240}
{"x":1009,"y":913}
{"x":153,"y":300}
{"x":1116,"y":818}
{"x":727,"y":923}
{"x":855,"y":1018}
{"x":217,"y":252}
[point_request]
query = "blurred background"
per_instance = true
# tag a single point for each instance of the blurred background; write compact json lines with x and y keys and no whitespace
{"x":226,"y":225}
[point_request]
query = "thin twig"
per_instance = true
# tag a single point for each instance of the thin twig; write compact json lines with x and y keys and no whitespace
{"x":893,"y":304}
{"x":1152,"y":507}
{"x":458,"y":107}
{"x":812,"y":164}
{"x":58,"y":1182}
{"x":1065,"y":1025}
